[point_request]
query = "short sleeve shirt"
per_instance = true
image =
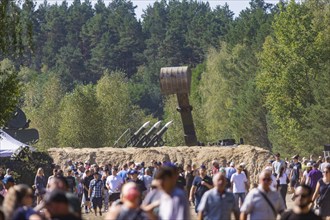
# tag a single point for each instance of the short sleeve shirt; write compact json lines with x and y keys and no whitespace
{"x":295,"y":171}
{"x":257,"y":207}
{"x":97,"y":187}
{"x":277,"y":166}
{"x":114,"y":183}
{"x":201,"y":189}
{"x":238,"y":181}
{"x":215,"y":206}
{"x":290,"y":215}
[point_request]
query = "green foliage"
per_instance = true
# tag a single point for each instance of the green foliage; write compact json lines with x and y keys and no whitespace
{"x":294,"y":74}
{"x":9,"y":90}
{"x":117,"y":112}
{"x":43,"y":96}
{"x":80,"y":125}
{"x":231,"y":107}
{"x":175,"y":135}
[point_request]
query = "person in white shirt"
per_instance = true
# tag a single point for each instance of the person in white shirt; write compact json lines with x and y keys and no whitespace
{"x":239,"y":184}
{"x":304,"y":179}
{"x":283,"y":181}
{"x":147,"y":179}
{"x":325,"y":163}
{"x":114,"y":184}
{"x":273,"y":184}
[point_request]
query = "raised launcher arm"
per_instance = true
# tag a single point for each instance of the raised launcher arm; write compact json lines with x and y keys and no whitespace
{"x":176,"y":80}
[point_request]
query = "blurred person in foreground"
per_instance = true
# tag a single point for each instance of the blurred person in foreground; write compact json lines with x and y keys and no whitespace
{"x":301,"y":208}
{"x":18,"y":202}
{"x":58,"y":207}
{"x":173,"y":200}
{"x":322,"y":193}
{"x":128,"y":208}
{"x":217,"y":203}
{"x":262,"y":202}
{"x":60,"y":183}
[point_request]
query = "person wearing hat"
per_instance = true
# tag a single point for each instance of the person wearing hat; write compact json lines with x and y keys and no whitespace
{"x":239,"y":185}
{"x":134,"y":178}
{"x":296,"y":173}
{"x":200,"y":185}
{"x":229,"y":172}
{"x":304,"y":179}
{"x":95,"y":193}
{"x":8,"y":182}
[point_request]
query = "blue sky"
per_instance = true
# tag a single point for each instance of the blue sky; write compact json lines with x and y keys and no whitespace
{"x":234,"y":5}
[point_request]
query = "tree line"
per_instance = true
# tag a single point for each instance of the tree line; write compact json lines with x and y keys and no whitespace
{"x":84,"y":73}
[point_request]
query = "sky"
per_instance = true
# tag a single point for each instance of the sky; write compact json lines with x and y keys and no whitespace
{"x":234,"y":5}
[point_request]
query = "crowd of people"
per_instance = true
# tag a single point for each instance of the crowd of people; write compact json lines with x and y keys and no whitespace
{"x":166,"y":191}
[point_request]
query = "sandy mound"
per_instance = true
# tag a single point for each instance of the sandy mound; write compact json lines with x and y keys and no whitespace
{"x":255,"y":158}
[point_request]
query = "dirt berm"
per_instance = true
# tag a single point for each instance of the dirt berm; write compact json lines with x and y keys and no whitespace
{"x":255,"y":158}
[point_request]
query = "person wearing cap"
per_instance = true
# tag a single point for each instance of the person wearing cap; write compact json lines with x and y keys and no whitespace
{"x":313,"y":176}
{"x":277,"y":164}
{"x":134,"y":178}
{"x":95,"y":193}
{"x":304,"y":179}
{"x":239,"y":185}
{"x":296,"y":172}
{"x":114,"y":183}
{"x":229,"y":172}
{"x":8,"y":182}
{"x":217,"y":203}
{"x":200,"y":185}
